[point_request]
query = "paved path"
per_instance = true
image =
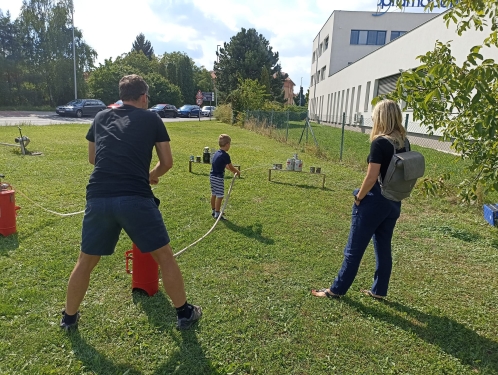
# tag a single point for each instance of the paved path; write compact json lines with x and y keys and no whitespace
{"x":49,"y":118}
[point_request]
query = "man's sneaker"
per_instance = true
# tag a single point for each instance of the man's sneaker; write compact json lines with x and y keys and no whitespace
{"x":186,"y":323}
{"x":71,"y":326}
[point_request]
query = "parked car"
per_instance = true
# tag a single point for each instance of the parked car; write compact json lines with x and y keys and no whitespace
{"x":189,"y":110}
{"x":81,"y":107}
{"x":207,"y":110}
{"x":117,"y":104}
{"x":165,"y":110}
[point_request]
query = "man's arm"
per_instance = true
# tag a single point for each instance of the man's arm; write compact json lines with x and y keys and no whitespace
{"x":165,"y":163}
{"x":91,"y":152}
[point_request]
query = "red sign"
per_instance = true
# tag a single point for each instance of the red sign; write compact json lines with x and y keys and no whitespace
{"x":199,"y":101}
{"x":199,"y":94}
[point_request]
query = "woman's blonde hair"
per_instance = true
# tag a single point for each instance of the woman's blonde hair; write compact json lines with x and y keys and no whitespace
{"x":387,"y":122}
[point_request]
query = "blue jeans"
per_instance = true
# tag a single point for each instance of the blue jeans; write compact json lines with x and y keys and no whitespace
{"x":375,"y":219}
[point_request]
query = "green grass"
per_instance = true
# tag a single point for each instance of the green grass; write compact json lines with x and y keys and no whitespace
{"x":252,"y":275}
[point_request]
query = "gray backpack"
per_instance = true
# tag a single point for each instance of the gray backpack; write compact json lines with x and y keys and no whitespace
{"x":402,"y":174}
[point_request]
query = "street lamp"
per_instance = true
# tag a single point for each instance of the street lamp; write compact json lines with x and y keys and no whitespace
{"x":215,"y":86}
{"x":74,"y":52}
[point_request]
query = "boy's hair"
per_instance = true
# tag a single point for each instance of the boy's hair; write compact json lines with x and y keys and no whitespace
{"x":224,"y":139}
{"x":131,"y":87}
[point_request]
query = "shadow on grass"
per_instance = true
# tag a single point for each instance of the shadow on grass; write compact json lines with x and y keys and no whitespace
{"x":309,"y":187}
{"x":8,"y":243}
{"x":450,"y":336}
{"x":252,"y":231}
{"x":94,"y":361}
{"x":189,"y":358}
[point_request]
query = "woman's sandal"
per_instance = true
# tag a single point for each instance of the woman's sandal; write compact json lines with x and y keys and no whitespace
{"x":370,"y":294}
{"x":327,"y":293}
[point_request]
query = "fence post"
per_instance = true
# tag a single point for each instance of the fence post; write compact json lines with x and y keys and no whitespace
{"x":342,"y":135}
{"x":271,"y":118}
{"x":361,"y":121}
{"x":406,"y":121}
{"x":287,"y":129}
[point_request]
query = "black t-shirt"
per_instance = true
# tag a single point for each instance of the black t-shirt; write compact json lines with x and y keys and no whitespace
{"x":124,"y":139}
{"x":381,"y":152}
{"x":220,"y":160}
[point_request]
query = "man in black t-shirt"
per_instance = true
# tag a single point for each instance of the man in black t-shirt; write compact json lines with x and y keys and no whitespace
{"x":120,"y":144}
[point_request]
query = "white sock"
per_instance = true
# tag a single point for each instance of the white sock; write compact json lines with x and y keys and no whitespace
{"x":216,"y":214}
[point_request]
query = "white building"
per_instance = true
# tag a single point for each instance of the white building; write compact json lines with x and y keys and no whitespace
{"x":348,"y":70}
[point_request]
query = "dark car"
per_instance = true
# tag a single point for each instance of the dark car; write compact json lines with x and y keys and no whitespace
{"x":81,"y":107}
{"x":165,"y":110}
{"x":189,"y":110}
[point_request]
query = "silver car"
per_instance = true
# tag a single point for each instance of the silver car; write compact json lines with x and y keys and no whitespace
{"x":207,"y":110}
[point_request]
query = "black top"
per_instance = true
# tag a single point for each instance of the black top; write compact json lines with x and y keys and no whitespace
{"x":381,"y":152}
{"x":220,"y":160}
{"x":124,"y":139}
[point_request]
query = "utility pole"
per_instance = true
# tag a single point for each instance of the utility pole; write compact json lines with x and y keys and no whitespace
{"x":300,"y":91}
{"x":74,"y":52}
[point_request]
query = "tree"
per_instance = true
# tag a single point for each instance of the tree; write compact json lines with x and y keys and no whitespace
{"x":140,"y":44}
{"x":179,"y":70}
{"x":460,"y":100}
{"x":244,"y":57}
{"x":43,"y":53}
{"x":300,"y":99}
{"x":162,"y":91}
{"x":202,"y":79}
{"x":103,"y":81}
{"x":250,"y":95}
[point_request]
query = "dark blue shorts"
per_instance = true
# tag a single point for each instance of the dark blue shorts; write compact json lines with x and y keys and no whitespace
{"x":138,"y":216}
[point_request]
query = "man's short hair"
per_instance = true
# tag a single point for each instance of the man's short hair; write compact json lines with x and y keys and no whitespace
{"x":131,"y":87}
{"x":224,"y":139}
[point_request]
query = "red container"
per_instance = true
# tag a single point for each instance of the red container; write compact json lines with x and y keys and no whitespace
{"x":145,"y":271}
{"x":8,"y":210}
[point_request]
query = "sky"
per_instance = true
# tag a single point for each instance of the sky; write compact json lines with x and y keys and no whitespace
{"x":196,"y":27}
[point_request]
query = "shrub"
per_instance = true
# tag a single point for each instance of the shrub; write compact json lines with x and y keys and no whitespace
{"x":223,"y":113}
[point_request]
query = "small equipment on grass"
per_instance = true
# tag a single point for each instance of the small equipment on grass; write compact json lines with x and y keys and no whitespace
{"x":22,"y":142}
{"x":491,"y":213}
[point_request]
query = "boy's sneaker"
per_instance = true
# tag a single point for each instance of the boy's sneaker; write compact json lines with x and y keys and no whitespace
{"x":71,"y":326}
{"x":186,"y":323}
{"x":222,"y":217}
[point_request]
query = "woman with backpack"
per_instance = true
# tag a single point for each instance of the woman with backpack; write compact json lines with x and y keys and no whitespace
{"x":374,"y":216}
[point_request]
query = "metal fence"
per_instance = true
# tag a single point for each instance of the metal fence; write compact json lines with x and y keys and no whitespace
{"x":417,"y":134}
{"x":291,"y":127}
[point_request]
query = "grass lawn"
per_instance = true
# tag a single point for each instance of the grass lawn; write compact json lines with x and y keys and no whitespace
{"x":252,"y":275}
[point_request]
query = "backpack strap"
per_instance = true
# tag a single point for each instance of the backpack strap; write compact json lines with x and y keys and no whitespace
{"x":407,"y":148}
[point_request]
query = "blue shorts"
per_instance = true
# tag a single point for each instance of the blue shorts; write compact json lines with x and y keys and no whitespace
{"x":138,"y":216}
{"x":217,"y":186}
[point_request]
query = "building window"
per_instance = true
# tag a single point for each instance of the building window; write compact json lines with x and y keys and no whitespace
{"x":397,"y":34}
{"x":323,"y":73}
{"x":326,"y":43}
{"x":368,"y":37}
{"x":320,"y":49}
{"x":313,"y":59}
{"x":312,"y":79}
{"x":367,"y":97}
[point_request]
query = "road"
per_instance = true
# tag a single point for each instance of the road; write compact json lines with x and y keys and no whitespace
{"x":50,"y":118}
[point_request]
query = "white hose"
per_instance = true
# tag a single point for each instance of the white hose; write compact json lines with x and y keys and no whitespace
{"x":216,"y":222}
{"x":52,"y":212}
